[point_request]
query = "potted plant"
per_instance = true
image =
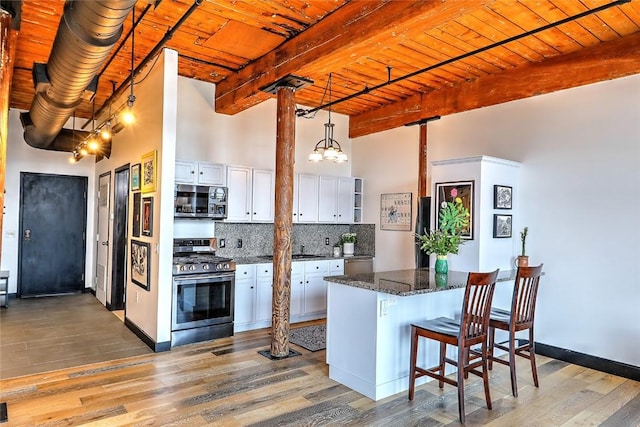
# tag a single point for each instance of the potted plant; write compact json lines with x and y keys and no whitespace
{"x":337,"y":249}
{"x":523,"y":259}
{"x":454,"y":218}
{"x":348,"y":241}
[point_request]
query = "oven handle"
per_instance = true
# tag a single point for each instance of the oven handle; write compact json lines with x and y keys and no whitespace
{"x":217,"y":276}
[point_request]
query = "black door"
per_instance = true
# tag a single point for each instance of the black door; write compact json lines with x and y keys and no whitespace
{"x":53,"y":217}
{"x":119,"y":265}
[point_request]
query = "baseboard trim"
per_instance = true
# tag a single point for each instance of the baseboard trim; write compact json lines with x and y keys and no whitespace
{"x":155,"y":346}
{"x":588,"y":361}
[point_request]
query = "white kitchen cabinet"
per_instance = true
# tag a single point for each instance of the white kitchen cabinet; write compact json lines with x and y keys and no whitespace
{"x":305,"y":198}
{"x":336,"y":199}
{"x":264,"y":286}
{"x":357,"y":200}
{"x":251,"y":194}
{"x":315,"y":288}
{"x":244,"y":297}
{"x":263,"y":194}
{"x":200,"y":173}
{"x":297,"y":289}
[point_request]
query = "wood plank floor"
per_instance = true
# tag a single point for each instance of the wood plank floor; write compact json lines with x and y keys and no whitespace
{"x":227,"y":383}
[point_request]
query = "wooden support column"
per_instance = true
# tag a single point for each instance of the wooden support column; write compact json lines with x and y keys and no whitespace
{"x":422,"y":162}
{"x":282,"y":224}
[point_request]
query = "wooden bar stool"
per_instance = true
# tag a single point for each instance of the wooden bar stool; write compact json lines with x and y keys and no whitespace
{"x":471,"y":330}
{"x":518,"y":318}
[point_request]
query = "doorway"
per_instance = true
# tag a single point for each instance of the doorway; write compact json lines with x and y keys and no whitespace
{"x":119,"y":253}
{"x":52,"y":248}
{"x":102,"y":244}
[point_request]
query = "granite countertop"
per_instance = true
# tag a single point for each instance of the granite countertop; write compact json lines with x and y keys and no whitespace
{"x":409,"y":282}
{"x":260,"y":259}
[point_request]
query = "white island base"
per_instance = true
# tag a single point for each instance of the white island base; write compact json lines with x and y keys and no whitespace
{"x":368,"y":336}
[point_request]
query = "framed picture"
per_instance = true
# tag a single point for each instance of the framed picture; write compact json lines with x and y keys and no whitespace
{"x":140,"y":259}
{"x":135,"y":177}
{"x":148,"y":171}
{"x":136,"y":214}
{"x":147,"y":216}
{"x":501,"y":226}
{"x":395,"y":211}
{"x":448,"y":192}
{"x":502,"y":197}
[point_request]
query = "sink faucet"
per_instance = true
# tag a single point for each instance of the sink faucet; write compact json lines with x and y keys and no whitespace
{"x":302,"y":249}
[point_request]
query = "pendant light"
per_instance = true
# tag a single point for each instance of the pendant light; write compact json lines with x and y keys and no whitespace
{"x":328,"y":148}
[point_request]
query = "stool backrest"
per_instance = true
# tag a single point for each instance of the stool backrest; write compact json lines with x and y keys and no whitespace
{"x":476,"y":306}
{"x":525,"y":292}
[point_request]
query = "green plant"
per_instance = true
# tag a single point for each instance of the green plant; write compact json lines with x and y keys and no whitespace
{"x":454,"y":218}
{"x":348,"y":238}
{"x":523,"y":239}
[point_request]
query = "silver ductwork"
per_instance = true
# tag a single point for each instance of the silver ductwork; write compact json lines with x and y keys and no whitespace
{"x":87,"y":32}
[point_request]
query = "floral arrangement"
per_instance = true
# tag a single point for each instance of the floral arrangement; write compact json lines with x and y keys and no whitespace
{"x":523,"y":238}
{"x":348,"y":238}
{"x":454,"y":218}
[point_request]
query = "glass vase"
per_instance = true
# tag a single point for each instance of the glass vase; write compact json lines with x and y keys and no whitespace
{"x":442,"y":266}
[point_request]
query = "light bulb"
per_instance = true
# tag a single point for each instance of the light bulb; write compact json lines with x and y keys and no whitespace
{"x":127,"y":116}
{"x":315,"y":156}
{"x":105,"y":132}
{"x":73,"y":159}
{"x":330,"y":153}
{"x":93,"y":145}
{"x":341,"y":157}
{"x":83,"y":150}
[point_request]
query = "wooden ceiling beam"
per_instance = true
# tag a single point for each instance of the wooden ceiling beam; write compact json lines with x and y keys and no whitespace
{"x":353,"y":24}
{"x":605,"y":61}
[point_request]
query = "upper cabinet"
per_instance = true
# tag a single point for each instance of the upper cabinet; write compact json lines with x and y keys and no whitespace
{"x":357,"y":200}
{"x":200,"y":173}
{"x":305,"y":198}
{"x":251,"y":194}
{"x":336,"y":197}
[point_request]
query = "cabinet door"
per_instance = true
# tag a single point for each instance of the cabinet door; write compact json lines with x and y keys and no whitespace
{"x":336,"y":267}
{"x":264,"y":285}
{"x":211,"y":174}
{"x":185,"y":172}
{"x":263,"y":195}
{"x":307,"y":198}
{"x":239,"y":197}
{"x":297,"y":295}
{"x":315,"y":297}
{"x":327,"y":204}
{"x":244,"y":304}
{"x":345,"y":200}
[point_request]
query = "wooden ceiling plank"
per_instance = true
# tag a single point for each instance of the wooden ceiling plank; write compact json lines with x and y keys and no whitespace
{"x":605,"y":61}
{"x":348,"y":26}
{"x":443,"y":75}
{"x":616,"y":18}
{"x":591,"y":23}
{"x":549,"y":12}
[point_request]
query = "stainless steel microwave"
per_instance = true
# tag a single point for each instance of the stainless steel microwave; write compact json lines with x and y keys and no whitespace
{"x":200,"y":201}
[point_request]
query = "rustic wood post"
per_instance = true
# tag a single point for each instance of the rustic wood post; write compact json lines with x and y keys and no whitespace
{"x":422,"y":162}
{"x":282,"y":224}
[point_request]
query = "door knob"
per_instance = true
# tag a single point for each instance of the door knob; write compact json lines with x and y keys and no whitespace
{"x":27,"y":234}
{"x":105,"y":243}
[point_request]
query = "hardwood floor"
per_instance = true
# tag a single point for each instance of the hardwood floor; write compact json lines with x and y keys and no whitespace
{"x":227,"y":383}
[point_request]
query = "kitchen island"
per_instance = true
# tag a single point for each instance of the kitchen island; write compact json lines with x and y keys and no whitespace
{"x":369,"y":320}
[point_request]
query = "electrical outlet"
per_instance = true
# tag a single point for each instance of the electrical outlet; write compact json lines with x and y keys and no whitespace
{"x":326,"y":240}
{"x":222,"y":243}
{"x":239,"y":243}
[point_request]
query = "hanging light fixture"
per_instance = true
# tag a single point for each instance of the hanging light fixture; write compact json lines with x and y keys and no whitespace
{"x":328,"y":148}
{"x":128,"y":117}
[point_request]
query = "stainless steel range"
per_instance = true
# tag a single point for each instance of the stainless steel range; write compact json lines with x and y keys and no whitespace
{"x":203,"y":288}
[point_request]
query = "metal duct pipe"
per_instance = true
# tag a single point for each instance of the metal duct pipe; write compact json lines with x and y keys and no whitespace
{"x":87,"y":32}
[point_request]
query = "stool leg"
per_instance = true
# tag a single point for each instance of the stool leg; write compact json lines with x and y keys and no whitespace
{"x":512,"y":362}
{"x":492,"y":338}
{"x":443,"y":353}
{"x":461,"y":372}
{"x":532,"y":357}
{"x":412,"y":368}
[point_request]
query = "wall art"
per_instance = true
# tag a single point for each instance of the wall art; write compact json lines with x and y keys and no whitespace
{"x":448,"y":192}
{"x":395,"y":211}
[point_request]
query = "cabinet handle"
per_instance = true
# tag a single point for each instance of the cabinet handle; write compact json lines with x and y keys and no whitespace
{"x":201,"y":173}
{"x":254,"y":213}
{"x":192,"y":172}
{"x":252,"y":287}
{"x":248,"y":213}
{"x":317,"y":267}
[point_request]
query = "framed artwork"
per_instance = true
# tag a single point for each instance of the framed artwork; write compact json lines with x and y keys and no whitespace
{"x":135,"y":177}
{"x":501,"y":226}
{"x":136,"y":214}
{"x":395,"y":211}
{"x":140,"y":260}
{"x":147,"y":216}
{"x":148,"y":172}
{"x":448,"y":192}
{"x":502,"y":197}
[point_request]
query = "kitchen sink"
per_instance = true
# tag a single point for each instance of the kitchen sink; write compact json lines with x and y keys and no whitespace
{"x":294,"y":256}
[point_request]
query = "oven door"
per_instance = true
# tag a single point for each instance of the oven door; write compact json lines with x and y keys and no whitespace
{"x":202,"y":300}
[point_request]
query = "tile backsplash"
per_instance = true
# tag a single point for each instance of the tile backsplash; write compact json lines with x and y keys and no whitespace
{"x":257,"y":239}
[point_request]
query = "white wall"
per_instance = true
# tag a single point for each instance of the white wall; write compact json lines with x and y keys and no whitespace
{"x":23,"y":158}
{"x":580,"y":194}
{"x":388,"y":162}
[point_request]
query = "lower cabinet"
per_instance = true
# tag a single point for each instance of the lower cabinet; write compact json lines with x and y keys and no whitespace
{"x":254,"y":292}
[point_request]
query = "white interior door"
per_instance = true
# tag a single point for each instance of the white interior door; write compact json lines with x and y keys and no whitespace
{"x":102,"y":253}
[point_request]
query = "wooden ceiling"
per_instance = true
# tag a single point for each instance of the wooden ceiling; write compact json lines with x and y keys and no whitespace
{"x":447,"y":47}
